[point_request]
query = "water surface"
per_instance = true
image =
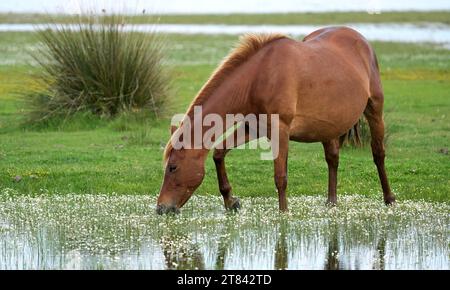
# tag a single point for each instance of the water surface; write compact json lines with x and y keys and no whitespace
{"x":404,"y":32}
{"x":123,"y":232}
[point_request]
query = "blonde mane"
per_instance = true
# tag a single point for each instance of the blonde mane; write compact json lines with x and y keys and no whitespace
{"x":248,"y":45}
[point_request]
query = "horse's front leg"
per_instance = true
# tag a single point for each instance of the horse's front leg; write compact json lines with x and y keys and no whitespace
{"x":280,"y":166}
{"x":231,"y":203}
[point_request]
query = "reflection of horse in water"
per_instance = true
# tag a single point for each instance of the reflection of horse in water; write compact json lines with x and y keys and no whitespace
{"x":332,"y":257}
{"x":281,"y":251}
{"x":379,"y":263}
{"x":180,"y":253}
{"x":333,"y":262}
{"x":222,"y":250}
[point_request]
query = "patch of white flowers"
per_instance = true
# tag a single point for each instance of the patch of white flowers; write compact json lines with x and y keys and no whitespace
{"x":109,"y":225}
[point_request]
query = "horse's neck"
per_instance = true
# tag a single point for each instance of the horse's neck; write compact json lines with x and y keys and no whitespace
{"x":231,"y":98}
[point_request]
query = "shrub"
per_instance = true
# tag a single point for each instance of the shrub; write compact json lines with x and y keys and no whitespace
{"x":100,"y":65}
{"x":359,"y":135}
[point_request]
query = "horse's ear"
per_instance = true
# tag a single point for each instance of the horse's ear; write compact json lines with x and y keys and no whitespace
{"x":173,"y":128}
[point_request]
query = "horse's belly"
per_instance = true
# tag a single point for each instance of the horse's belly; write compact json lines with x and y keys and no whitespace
{"x":308,"y":130}
{"x":329,"y":109}
{"x":323,"y":125}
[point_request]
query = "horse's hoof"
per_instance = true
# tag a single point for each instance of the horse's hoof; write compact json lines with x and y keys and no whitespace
{"x":331,"y":203}
{"x":390,"y":200}
{"x":233,"y":205}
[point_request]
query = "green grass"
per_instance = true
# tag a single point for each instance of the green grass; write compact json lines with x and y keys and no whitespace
{"x":97,"y":155}
{"x":276,"y":18}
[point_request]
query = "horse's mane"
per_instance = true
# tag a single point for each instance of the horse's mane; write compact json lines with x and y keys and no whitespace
{"x":248,"y":45}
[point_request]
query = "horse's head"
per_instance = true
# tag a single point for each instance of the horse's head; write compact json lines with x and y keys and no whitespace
{"x":184,"y":172}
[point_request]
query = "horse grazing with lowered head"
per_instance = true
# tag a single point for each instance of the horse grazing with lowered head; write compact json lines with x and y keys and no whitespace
{"x":319,"y":88}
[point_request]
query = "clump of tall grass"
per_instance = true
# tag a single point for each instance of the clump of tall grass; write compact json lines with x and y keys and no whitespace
{"x":359,"y":135}
{"x":99,"y":65}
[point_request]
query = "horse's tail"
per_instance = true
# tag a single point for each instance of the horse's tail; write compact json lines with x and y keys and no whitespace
{"x":353,"y":136}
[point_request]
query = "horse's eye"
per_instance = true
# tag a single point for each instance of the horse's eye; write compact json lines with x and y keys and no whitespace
{"x":172,"y":168}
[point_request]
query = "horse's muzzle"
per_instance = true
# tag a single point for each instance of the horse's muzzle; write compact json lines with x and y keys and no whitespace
{"x":164,"y":209}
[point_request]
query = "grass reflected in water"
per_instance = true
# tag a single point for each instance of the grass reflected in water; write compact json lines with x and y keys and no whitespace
{"x":123,"y":232}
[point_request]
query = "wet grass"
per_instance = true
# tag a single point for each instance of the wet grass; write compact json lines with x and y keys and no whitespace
{"x":110,"y":231}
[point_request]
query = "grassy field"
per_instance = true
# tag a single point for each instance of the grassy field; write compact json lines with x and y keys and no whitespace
{"x":257,"y":19}
{"x":93,"y":155}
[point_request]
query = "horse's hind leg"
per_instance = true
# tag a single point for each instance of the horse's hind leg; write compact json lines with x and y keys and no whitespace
{"x":331,"y":149}
{"x":219,"y":160}
{"x":281,"y":166}
{"x":374,"y":115}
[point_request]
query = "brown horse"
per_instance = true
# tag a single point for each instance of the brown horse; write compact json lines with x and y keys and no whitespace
{"x":319,"y":88}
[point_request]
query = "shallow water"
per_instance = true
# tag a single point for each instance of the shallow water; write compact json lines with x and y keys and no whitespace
{"x":123,"y":232}
{"x":432,"y":32}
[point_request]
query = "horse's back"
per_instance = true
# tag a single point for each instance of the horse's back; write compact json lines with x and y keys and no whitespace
{"x":340,"y":35}
{"x":334,"y":83}
{"x":345,"y":42}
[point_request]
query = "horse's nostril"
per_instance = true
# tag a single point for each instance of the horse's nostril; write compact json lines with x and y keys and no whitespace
{"x":164,"y":209}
